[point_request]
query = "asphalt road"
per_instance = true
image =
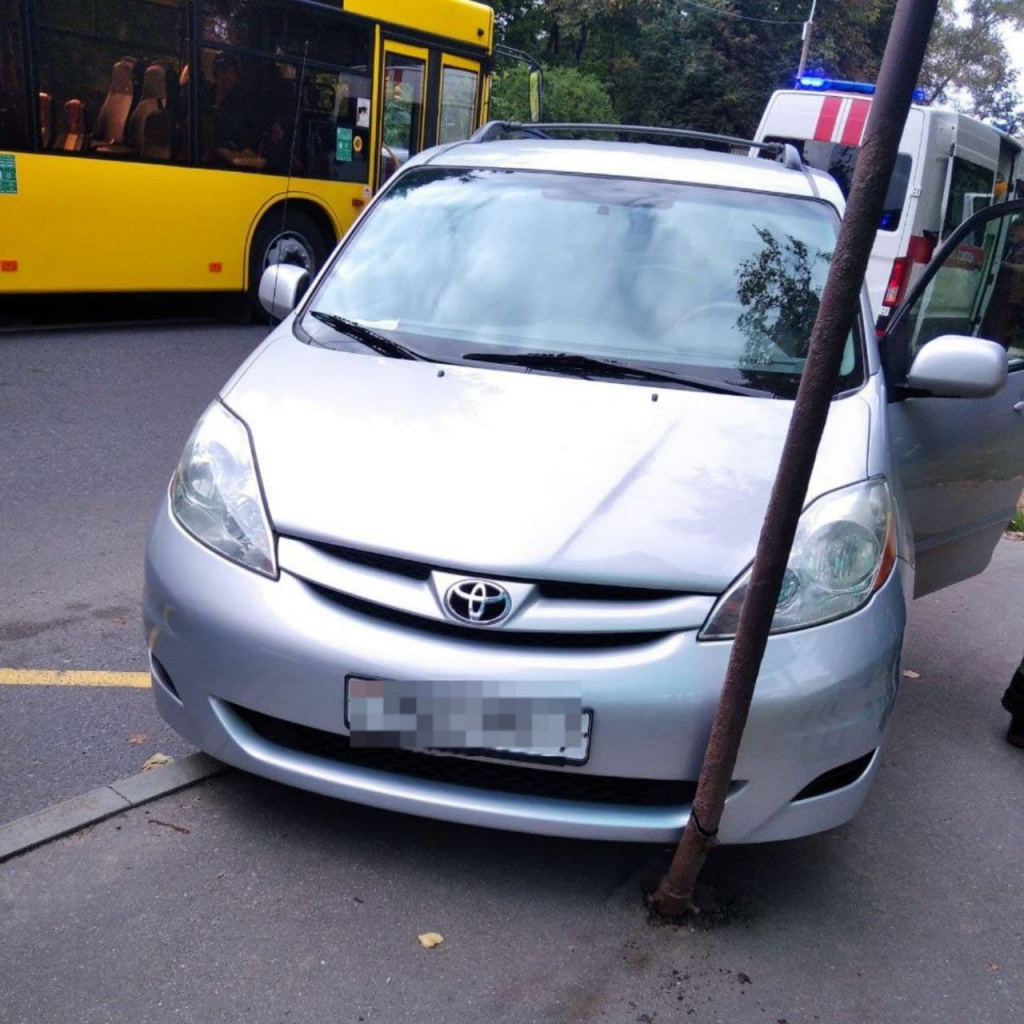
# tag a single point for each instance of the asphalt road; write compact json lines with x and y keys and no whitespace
{"x":241,"y":900}
{"x":92,"y":421}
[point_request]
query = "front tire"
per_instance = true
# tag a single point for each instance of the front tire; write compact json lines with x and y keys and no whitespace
{"x":296,"y":239}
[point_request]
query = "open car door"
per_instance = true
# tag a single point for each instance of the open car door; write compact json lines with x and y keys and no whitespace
{"x":956,"y":400}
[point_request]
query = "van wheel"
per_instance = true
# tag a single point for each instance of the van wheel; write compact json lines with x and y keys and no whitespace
{"x":297,"y":239}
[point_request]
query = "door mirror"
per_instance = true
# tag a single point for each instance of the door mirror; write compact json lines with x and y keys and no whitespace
{"x":281,"y":288}
{"x":536,"y":95}
{"x":952,"y":366}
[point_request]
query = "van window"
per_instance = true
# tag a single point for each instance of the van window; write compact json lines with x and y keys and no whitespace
{"x":970,"y":190}
{"x":840,"y":161}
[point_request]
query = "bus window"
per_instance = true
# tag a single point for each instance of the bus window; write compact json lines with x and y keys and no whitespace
{"x":969,"y":183}
{"x":404,"y":82}
{"x":458,"y":104}
{"x":14,"y":133}
{"x":840,"y":161}
{"x":102,"y":63}
{"x":273,"y":104}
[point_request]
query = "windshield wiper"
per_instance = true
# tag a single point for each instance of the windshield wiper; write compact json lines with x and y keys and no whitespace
{"x":574,"y":364}
{"x":371,"y":339}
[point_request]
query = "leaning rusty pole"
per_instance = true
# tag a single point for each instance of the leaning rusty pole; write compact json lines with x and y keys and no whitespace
{"x":901,"y":64}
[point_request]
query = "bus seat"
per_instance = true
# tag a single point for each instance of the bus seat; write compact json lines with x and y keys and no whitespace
{"x":72,"y":139}
{"x":156,"y":136}
{"x":113,"y":115}
{"x":45,"y":119}
{"x":153,"y":101}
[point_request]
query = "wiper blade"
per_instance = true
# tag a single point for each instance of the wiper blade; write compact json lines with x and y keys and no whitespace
{"x":574,"y":364}
{"x":371,"y":339}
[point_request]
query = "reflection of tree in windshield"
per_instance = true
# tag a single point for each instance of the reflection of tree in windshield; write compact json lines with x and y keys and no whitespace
{"x":777,"y":288}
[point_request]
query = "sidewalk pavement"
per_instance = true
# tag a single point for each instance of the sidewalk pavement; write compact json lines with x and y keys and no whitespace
{"x":240,"y":900}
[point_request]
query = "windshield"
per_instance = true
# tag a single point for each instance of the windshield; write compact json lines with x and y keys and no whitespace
{"x":713,"y":283}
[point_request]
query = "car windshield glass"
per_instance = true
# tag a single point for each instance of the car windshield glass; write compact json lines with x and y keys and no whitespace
{"x":713,"y":283}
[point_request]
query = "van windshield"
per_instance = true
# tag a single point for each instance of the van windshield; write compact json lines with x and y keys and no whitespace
{"x":841,"y":161}
{"x":713,"y":283}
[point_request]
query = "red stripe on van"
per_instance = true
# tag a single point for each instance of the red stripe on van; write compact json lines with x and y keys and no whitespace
{"x":855,"y":121}
{"x":920,"y":249}
{"x":827,"y":119}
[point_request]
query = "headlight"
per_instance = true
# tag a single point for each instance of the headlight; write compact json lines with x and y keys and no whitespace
{"x":215,"y":493}
{"x":844,"y":550}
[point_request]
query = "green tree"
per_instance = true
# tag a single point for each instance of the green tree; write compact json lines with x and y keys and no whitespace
{"x":569,"y":95}
{"x":967,"y":64}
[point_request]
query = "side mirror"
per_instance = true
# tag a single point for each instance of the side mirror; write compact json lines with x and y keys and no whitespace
{"x":281,"y":287}
{"x":954,"y":366}
{"x":536,"y":95}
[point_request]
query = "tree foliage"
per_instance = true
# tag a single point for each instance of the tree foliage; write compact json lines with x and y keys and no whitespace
{"x":569,"y":95}
{"x":712,"y":64}
{"x":968,"y":65}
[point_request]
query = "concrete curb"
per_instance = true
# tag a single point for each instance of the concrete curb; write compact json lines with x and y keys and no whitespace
{"x":33,"y":830}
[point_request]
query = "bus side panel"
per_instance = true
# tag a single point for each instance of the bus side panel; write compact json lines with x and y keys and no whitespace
{"x":464,"y":20}
{"x":79,"y":224}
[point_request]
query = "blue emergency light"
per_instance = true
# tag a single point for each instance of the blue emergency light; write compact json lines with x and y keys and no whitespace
{"x":815,"y":83}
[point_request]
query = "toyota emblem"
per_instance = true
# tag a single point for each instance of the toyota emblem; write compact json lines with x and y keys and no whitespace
{"x":478,"y":602}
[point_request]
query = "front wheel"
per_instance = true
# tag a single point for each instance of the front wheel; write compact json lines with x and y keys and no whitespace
{"x":295,"y":238}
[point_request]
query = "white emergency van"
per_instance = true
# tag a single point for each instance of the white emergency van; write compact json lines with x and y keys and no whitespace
{"x":949,"y":167}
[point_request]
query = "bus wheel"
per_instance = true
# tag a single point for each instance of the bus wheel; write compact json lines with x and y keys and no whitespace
{"x":297,"y":239}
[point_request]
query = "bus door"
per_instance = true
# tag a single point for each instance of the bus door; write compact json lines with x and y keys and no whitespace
{"x":459,"y":99}
{"x":403,"y":113}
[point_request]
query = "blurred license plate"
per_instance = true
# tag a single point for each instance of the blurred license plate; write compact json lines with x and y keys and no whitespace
{"x":515,"y":720}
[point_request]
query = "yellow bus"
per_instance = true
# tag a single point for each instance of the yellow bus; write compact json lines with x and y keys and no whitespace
{"x":179,"y":145}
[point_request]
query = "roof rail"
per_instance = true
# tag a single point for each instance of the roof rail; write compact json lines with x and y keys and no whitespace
{"x":785,"y":152}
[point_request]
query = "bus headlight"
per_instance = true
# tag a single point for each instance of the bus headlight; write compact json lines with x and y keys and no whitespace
{"x":216,"y":496}
{"x":844,"y":550}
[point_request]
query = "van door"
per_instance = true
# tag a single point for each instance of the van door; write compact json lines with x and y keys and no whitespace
{"x":961,"y":461}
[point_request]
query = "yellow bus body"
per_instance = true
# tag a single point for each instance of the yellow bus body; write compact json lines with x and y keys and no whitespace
{"x":80,"y":223}
{"x":98,"y":225}
{"x":463,"y":20}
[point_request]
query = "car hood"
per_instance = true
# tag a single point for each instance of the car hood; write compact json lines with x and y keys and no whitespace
{"x":527,"y":475}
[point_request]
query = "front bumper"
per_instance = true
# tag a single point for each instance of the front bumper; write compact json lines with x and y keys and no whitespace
{"x":226,"y":642}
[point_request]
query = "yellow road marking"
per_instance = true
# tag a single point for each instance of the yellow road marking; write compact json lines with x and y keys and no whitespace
{"x":42,"y":677}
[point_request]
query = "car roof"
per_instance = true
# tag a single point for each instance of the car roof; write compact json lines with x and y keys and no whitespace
{"x":637,"y":160}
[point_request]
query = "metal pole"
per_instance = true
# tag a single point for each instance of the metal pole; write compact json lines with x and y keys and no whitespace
{"x":808,"y":29}
{"x":904,"y":52}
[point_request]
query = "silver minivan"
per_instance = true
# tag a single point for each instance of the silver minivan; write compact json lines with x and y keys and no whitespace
{"x":467,"y":536}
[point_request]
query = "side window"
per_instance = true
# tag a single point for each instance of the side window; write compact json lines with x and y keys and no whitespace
{"x":977,"y":291}
{"x":284,"y":90}
{"x":109,"y":75}
{"x":458,"y":104}
{"x":14,"y":110}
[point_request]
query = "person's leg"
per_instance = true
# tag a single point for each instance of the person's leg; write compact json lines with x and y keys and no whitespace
{"x":1013,"y":701}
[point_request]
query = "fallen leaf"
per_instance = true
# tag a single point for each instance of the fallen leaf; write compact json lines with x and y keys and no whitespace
{"x":118,"y":620}
{"x":994,"y":967}
{"x":136,"y":738}
{"x":428,"y":940}
{"x":155,"y":761}
{"x":911,"y":674}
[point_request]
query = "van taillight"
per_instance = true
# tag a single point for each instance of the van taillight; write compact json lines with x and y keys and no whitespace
{"x":894,"y":291}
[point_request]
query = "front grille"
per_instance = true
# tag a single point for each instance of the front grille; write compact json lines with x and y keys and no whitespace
{"x":476,"y":774}
{"x":560,"y":590}
{"x":489,"y":637}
